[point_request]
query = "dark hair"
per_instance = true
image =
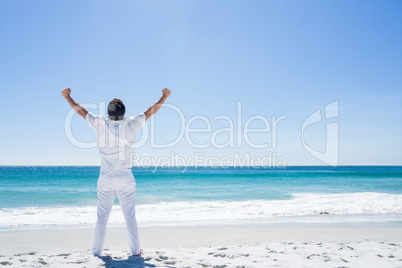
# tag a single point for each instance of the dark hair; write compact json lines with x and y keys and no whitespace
{"x":116,"y":109}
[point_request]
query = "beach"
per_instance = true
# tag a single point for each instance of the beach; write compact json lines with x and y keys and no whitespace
{"x":207,"y":217}
{"x":211,"y":246}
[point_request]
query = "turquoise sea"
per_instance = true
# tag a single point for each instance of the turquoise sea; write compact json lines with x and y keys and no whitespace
{"x":36,"y":197}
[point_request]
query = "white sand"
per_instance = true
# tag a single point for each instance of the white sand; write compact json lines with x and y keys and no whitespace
{"x":215,"y":246}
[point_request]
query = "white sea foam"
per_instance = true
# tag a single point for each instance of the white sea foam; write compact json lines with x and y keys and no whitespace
{"x":199,"y":212}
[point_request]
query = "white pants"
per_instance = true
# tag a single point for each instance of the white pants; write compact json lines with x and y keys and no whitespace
{"x":122,"y":185}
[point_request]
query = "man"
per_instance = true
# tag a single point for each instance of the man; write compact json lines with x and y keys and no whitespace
{"x":116,"y":136}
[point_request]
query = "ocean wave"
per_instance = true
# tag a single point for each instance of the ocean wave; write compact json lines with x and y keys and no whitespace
{"x":196,"y":212}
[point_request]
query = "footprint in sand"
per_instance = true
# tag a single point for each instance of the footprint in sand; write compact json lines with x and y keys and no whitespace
{"x":222,"y":255}
{"x":63,"y":255}
{"x":313,"y":256}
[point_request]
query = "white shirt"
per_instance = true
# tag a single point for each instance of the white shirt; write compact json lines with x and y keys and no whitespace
{"x":115,"y":141}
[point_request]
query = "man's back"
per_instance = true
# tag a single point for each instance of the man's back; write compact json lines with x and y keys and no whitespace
{"x":115,"y":141}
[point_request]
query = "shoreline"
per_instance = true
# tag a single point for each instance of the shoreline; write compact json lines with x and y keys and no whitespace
{"x":372,"y":220}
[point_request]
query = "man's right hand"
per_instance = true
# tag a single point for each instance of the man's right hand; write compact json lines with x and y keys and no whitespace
{"x":166,"y":92}
{"x":66,"y":92}
{"x":157,"y":105}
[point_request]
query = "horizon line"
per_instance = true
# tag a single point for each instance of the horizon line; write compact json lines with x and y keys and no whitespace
{"x":351,"y":165}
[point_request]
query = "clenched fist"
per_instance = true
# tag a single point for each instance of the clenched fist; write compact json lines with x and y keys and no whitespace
{"x":166,"y":92}
{"x":66,"y":92}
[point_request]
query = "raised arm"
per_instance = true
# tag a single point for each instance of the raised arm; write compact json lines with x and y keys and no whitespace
{"x":77,"y":108}
{"x":157,"y":105}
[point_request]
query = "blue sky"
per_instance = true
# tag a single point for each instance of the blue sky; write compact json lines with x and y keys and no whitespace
{"x":278,"y":58}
